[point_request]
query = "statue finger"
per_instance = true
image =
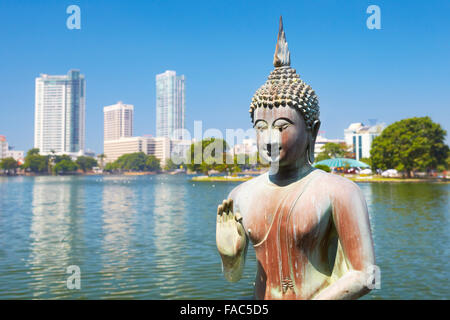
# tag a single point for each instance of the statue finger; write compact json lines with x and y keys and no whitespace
{"x":225,"y":206}
{"x":219,"y":213}
{"x":238,"y":217}
{"x":230,"y":205}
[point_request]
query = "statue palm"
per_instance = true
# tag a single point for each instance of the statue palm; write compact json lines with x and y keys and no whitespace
{"x":230,"y":233}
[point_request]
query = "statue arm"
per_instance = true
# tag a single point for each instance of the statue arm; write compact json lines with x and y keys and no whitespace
{"x":233,"y":267}
{"x":351,"y":219}
{"x":231,"y":240}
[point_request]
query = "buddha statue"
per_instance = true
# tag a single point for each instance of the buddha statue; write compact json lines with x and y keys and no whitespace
{"x":310,"y":229}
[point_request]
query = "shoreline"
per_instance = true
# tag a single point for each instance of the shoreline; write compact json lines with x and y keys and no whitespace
{"x":399,"y":180}
{"x":354,"y":179}
{"x":220,"y":179}
{"x":240,"y":178}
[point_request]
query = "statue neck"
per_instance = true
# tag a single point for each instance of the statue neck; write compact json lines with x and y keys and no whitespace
{"x":288,"y":174}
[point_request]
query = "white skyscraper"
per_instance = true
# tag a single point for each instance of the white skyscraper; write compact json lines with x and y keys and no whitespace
{"x":170,"y":105}
{"x":59,"y":119}
{"x":118,"y":121}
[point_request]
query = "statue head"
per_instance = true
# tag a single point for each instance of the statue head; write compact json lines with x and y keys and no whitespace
{"x":285,"y":112}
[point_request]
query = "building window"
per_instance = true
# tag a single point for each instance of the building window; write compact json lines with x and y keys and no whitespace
{"x":359,"y":147}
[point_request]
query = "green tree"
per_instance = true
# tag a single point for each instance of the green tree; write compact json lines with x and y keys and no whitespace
{"x":137,"y":161}
{"x":152,"y":163}
{"x":204,"y":168}
{"x":60,"y":158}
{"x":33,"y":151}
{"x":65,"y":166}
{"x":111,"y":166}
{"x":226,"y":165}
{"x":53,"y":159}
{"x":102,"y":157}
{"x":203,"y":155}
{"x":9,"y":165}
{"x":409,"y":145}
{"x":333,"y":150}
{"x":132,"y":161}
{"x":170,"y":165}
{"x":86,"y":163}
{"x":323,"y":167}
{"x":367,"y":161}
{"x":34,"y":162}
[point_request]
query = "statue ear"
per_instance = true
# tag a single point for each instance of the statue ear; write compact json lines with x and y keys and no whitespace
{"x":312,"y":141}
{"x":315,"y":129}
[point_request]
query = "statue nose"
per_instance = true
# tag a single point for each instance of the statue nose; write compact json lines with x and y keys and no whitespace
{"x":272,"y":137}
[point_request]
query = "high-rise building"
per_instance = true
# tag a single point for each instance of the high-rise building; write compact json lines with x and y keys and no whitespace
{"x":3,"y":147}
{"x":170,"y":105}
{"x":118,"y":121}
{"x":359,"y":137}
{"x":59,"y":119}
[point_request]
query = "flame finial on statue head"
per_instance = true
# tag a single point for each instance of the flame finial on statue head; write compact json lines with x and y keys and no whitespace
{"x":281,"y":57}
{"x":285,"y":88}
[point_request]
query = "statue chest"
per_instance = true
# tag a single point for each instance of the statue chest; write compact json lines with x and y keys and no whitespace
{"x":300,"y":221}
{"x":286,"y":232}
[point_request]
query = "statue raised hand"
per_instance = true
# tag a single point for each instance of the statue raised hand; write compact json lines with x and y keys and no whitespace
{"x":231,"y":240}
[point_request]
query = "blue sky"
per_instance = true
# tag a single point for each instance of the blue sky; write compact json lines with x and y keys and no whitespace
{"x":225,"y":50}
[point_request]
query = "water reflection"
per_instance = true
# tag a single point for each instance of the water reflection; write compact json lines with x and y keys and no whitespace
{"x":118,"y":229}
{"x":368,"y":195}
{"x":169,"y":214}
{"x":56,"y":232}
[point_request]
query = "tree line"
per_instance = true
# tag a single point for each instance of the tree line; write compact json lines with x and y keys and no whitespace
{"x":218,"y":159}
{"x":408,"y":145}
{"x":137,"y":161}
{"x":50,"y":164}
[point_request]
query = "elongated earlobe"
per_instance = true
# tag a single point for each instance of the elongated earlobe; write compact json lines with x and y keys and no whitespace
{"x":310,"y":152}
{"x":312,"y":141}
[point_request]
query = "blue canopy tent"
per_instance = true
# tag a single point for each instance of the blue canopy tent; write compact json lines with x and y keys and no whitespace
{"x":342,"y":162}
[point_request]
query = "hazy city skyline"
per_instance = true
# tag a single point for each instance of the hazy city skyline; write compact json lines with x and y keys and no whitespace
{"x":226,"y":50}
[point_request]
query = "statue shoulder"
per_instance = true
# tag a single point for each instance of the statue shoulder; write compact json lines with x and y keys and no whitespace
{"x":245,"y":187}
{"x":336,"y":187}
{"x":244,"y":191}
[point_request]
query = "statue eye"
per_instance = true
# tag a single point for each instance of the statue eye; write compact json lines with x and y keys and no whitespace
{"x":260,"y":125}
{"x":281,"y":124}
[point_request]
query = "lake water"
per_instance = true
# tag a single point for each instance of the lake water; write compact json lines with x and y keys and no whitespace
{"x":153,"y":237}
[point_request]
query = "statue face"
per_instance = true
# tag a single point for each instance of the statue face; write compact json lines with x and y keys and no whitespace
{"x":281,"y":134}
